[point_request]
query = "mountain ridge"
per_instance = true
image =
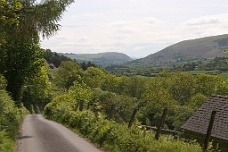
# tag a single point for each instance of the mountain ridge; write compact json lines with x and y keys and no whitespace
{"x":185,"y":51}
{"x":101,"y":59}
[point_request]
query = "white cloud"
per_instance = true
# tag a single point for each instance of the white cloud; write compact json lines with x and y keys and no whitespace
{"x":204,"y":20}
{"x":136,"y":27}
{"x":204,"y":26}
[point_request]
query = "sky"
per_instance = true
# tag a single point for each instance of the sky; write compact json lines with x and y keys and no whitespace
{"x":136,"y":27}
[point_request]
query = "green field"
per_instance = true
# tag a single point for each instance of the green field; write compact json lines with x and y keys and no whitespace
{"x":223,"y":75}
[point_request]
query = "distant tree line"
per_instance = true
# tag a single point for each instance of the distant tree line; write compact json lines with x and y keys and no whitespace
{"x":219,"y":63}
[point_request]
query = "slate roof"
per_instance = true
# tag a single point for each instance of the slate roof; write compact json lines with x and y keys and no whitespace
{"x":200,"y":120}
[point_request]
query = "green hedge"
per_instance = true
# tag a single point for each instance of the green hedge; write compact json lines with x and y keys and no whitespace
{"x":112,"y":136}
{"x":10,"y":119}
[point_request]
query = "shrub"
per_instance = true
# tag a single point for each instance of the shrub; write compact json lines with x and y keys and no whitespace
{"x":113,"y":136}
{"x":10,"y":119}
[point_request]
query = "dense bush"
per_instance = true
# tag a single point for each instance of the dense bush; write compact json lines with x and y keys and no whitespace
{"x":10,"y":119}
{"x":113,"y":136}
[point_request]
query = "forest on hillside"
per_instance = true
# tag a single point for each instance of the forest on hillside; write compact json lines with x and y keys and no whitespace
{"x":90,"y":100}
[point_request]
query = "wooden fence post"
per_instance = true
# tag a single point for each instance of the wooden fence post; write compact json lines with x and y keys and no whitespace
{"x":112,"y":111}
{"x":81,"y":105}
{"x":209,"y":129}
{"x":161,"y":124}
{"x":132,"y":117}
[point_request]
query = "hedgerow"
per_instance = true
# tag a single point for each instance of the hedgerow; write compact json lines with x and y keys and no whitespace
{"x":10,"y":119}
{"x":112,"y":136}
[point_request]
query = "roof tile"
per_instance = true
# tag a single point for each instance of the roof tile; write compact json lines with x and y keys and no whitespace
{"x":199,"y":121}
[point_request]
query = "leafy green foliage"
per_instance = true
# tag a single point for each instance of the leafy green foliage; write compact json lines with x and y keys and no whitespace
{"x":116,"y":97}
{"x":208,"y":84}
{"x":36,"y":90}
{"x":20,"y":54}
{"x":19,"y":62}
{"x":116,"y":107}
{"x":80,"y":91}
{"x":35,"y":19}
{"x":85,"y":65}
{"x":22,"y":21}
{"x":10,"y":119}
{"x":182,"y":86}
{"x":112,"y":99}
{"x":196,"y":101}
{"x":67,"y":73}
{"x":8,"y":17}
{"x":54,"y":58}
{"x":115,"y":137}
{"x":93,"y":77}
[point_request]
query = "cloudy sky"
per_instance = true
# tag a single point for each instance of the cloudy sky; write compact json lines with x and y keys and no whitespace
{"x":136,"y":27}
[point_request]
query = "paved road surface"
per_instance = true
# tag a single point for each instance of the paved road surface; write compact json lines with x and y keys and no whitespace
{"x":41,"y":135}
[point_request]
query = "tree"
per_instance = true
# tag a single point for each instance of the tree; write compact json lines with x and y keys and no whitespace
{"x":181,"y":86}
{"x":115,"y":106}
{"x":110,"y":83}
{"x":19,"y":62}
{"x":208,"y":84}
{"x":19,"y":55}
{"x":9,"y":17}
{"x":93,"y":77}
{"x":67,"y":73}
{"x":85,"y":65}
{"x":184,"y":112}
{"x":54,"y":58}
{"x":196,"y":101}
{"x":35,"y":19}
{"x":156,"y":98}
{"x":80,"y":91}
{"x":36,"y":89}
{"x":135,"y":86}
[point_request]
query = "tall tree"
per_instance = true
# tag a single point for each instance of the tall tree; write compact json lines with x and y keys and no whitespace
{"x":20,"y":55}
{"x":36,"y":91}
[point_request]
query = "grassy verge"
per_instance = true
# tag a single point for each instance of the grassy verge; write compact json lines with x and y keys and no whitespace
{"x":10,"y":119}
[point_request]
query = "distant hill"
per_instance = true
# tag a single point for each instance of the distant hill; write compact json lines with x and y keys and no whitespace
{"x":186,"y":51}
{"x":101,"y":59}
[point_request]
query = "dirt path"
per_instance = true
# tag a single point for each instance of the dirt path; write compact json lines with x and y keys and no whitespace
{"x":41,"y":135}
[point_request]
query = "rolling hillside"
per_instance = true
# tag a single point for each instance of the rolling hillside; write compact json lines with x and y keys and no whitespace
{"x":101,"y":59}
{"x":185,"y":51}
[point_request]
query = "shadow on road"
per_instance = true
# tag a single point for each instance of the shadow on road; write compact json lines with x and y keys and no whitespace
{"x":23,"y":137}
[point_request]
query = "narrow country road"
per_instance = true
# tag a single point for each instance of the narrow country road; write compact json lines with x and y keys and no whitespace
{"x":41,"y":135}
